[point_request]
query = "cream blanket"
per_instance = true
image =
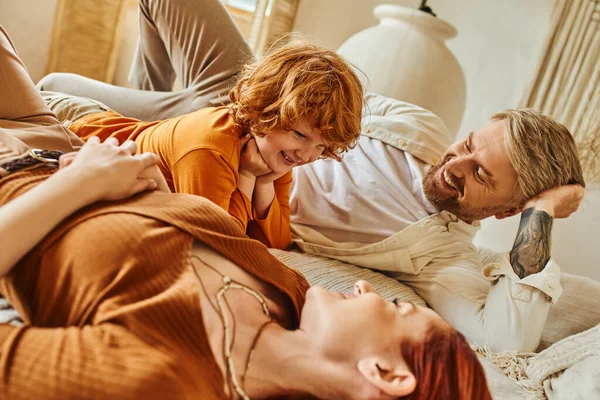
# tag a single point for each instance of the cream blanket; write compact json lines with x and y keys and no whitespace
{"x":569,"y":369}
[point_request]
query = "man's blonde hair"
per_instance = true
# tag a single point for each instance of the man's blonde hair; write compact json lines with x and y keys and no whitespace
{"x":295,"y":81}
{"x":541,"y":150}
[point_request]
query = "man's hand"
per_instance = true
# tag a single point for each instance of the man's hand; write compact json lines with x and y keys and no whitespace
{"x":558,"y":202}
{"x":251,"y":162}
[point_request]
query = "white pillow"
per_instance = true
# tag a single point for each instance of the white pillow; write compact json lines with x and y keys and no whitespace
{"x":339,"y":276}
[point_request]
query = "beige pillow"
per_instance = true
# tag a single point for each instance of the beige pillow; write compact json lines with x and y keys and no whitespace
{"x":339,"y":276}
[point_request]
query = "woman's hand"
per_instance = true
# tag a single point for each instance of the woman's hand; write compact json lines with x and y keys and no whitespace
{"x":251,"y":162}
{"x":99,"y":171}
{"x":107,"y":171}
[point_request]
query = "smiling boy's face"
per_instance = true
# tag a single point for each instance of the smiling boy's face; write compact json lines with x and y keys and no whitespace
{"x":283,"y":150}
{"x":475,"y":179}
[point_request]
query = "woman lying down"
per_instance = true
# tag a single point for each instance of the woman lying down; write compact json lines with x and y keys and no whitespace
{"x":132,"y":293}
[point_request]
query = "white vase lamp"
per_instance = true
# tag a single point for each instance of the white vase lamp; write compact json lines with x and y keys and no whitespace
{"x":405,"y":57}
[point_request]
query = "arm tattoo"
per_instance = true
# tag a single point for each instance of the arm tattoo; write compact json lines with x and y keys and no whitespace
{"x":531,"y":250}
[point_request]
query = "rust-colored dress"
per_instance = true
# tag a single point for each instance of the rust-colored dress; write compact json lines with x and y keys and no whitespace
{"x":111,"y":303}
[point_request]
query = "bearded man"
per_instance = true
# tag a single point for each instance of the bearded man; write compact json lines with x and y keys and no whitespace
{"x":408,"y":203}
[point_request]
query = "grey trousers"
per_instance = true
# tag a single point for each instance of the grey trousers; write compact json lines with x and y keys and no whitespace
{"x":195,"y":41}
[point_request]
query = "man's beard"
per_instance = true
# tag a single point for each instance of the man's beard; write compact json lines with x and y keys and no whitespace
{"x":452,"y":202}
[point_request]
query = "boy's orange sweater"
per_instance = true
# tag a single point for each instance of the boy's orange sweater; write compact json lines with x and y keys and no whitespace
{"x":200,"y":154}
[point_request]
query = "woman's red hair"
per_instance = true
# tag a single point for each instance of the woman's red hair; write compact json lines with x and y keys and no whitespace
{"x":445,"y":367}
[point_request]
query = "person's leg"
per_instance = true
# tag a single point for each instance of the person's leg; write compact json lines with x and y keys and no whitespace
{"x":151,"y":67}
{"x":20,"y":101}
{"x":69,"y":108}
{"x":141,"y":104}
{"x":196,"y":39}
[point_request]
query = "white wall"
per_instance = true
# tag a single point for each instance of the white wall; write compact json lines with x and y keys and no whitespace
{"x":330,"y":22}
{"x":29,"y":23}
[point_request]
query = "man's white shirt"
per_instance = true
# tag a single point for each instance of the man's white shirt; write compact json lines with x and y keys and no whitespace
{"x":348,"y":201}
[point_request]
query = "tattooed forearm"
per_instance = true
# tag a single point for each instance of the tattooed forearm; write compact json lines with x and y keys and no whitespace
{"x":531,"y":250}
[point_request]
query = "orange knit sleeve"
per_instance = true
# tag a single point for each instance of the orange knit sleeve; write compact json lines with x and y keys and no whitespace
{"x":94,"y":362}
{"x":274,"y":230}
{"x":209,"y":174}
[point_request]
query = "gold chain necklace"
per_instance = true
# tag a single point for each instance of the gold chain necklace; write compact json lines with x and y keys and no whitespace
{"x":228,"y":338}
{"x":229,"y":284}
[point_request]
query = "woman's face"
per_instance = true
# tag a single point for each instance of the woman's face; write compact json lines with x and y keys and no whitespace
{"x":283,"y":150}
{"x":362,"y":323}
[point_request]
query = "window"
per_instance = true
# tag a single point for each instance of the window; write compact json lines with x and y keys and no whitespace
{"x":262,"y":21}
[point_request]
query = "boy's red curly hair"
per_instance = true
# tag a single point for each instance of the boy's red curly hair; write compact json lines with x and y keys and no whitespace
{"x":297,"y":81}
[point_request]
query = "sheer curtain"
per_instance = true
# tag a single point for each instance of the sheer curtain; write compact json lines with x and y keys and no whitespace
{"x":269,"y":20}
{"x":85,"y":37}
{"x":567,"y":79}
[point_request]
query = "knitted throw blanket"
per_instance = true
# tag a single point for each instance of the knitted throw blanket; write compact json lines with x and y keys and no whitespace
{"x":569,"y":369}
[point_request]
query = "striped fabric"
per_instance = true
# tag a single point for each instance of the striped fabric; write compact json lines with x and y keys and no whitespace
{"x":110,"y":302}
{"x":338,"y":276}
